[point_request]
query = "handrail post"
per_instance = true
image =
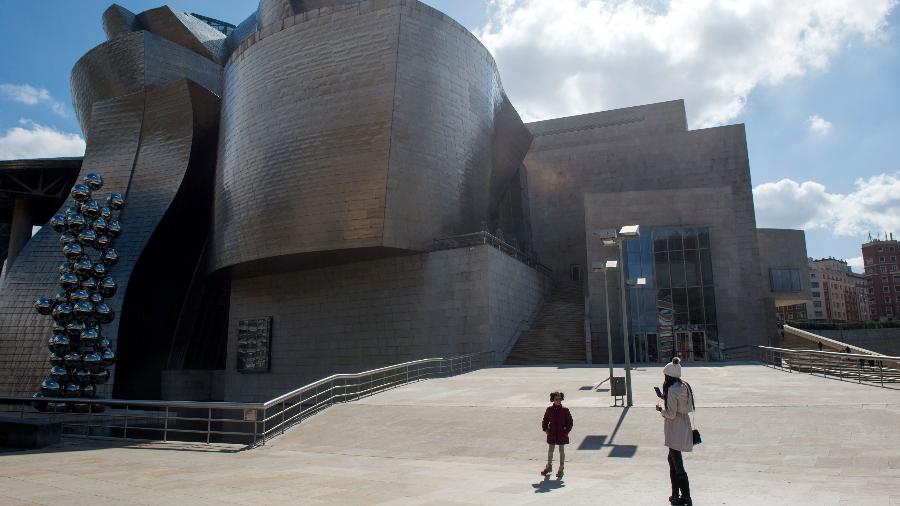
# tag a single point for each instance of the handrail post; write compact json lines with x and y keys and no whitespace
{"x":125,"y":432}
{"x":166,"y":426}
{"x":208,"y":423}
{"x":90,"y":418}
{"x":264,"y":424}
{"x":282,"y":415}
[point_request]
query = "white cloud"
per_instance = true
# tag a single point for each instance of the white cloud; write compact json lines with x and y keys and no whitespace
{"x":31,"y":140}
{"x":874,"y":205}
{"x":818,"y":125}
{"x":856,"y":263}
{"x":565,"y":57}
{"x":29,"y":95}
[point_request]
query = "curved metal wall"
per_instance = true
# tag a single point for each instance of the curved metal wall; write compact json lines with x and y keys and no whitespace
{"x":142,"y":119}
{"x":372,"y":126}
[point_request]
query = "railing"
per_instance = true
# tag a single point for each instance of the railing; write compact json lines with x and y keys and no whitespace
{"x":862,"y":368}
{"x":250,"y":424}
{"x":478,"y":238}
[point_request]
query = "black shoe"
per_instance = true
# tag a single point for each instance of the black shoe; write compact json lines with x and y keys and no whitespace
{"x":685,"y":487}
{"x":673,"y":499}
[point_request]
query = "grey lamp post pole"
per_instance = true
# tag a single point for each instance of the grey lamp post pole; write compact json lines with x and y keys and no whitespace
{"x":625,"y":322}
{"x":608,"y":329}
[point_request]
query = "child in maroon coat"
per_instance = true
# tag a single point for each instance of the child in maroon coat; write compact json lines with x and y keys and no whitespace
{"x":556,"y":424}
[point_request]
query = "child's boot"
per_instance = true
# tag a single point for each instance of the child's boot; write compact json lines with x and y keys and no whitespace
{"x":547,"y":470}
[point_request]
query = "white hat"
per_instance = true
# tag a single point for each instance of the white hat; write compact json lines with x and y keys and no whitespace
{"x":673,"y":368}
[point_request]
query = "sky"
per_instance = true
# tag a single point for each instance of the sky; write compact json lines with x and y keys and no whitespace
{"x":814,"y":81}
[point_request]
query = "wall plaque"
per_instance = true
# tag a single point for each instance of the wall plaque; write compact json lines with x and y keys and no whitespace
{"x":254,"y":344}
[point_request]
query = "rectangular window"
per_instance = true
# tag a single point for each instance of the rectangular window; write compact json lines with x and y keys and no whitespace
{"x":817,"y":303}
{"x":886,"y":289}
{"x":881,"y":260}
{"x":882,"y":268}
{"x":814,"y":284}
{"x":870,"y":261}
{"x":817,"y":294}
{"x":785,"y":280}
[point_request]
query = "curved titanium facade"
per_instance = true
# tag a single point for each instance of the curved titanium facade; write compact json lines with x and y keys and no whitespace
{"x":376,"y":125}
{"x":149,"y":109}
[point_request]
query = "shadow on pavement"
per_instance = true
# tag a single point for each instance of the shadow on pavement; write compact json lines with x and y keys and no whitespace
{"x":599,"y":441}
{"x":547,"y":485}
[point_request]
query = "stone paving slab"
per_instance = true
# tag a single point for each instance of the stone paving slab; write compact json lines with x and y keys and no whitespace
{"x":770,"y":437}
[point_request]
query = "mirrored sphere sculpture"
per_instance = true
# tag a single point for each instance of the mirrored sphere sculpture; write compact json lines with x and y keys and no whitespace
{"x":80,"y":354}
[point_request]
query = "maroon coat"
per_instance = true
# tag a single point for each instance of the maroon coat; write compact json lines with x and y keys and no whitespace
{"x":557,"y":423}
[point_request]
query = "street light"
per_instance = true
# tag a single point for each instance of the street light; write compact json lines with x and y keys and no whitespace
{"x":605,"y":266}
{"x":609,"y":237}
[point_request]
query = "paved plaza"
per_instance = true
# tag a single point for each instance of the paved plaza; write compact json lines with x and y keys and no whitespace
{"x":770,"y":437}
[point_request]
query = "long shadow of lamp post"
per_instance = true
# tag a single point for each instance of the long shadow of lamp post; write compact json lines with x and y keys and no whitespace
{"x":610,"y":237}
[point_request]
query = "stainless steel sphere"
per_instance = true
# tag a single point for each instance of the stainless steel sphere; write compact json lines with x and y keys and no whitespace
{"x":73,"y":251}
{"x":115,"y":201}
{"x":74,"y":360}
{"x":74,"y":330}
{"x":99,"y":271}
{"x":80,"y":295}
{"x":69,"y":281}
{"x":100,"y":376}
{"x":87,"y":237}
{"x":110,"y":257}
{"x":56,"y":360}
{"x":93,"y":361}
{"x":90,"y":208}
{"x":100,"y":225}
{"x":105,"y":343}
{"x":59,"y":345}
{"x":80,"y":192}
{"x":76,"y":222}
{"x":114,"y":228}
{"x":96,"y":298}
{"x":107,"y":287}
{"x":104,"y":313}
{"x":62,"y":313}
{"x":109,"y":357}
{"x":84,"y":310}
{"x":59,"y":373}
{"x":89,"y":284}
{"x":58,"y":223}
{"x":103,"y":241}
{"x":72,"y":389}
{"x":82,"y":376}
{"x":83,"y":266}
{"x":90,"y":337}
{"x":105,"y":213}
{"x":70,"y":210}
{"x":89,"y":391}
{"x":50,"y":388}
{"x":93,"y":180}
{"x":43,"y":306}
{"x":67,"y":238}
{"x":64,"y":267}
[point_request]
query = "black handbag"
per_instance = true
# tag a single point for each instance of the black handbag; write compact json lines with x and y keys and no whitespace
{"x":696,"y":432}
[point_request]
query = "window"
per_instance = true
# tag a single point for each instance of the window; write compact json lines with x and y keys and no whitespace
{"x":883,"y":268}
{"x":885,"y":289}
{"x":817,"y":303}
{"x":893,"y":259}
{"x":815,"y":284}
{"x":812,"y":274}
{"x":575,"y":272}
{"x":870,"y":270}
{"x":884,"y":279}
{"x":817,"y":294}
{"x":881,"y":260}
{"x":870,"y":261}
{"x":893,"y":268}
{"x":880,"y":249}
{"x":785,"y":280}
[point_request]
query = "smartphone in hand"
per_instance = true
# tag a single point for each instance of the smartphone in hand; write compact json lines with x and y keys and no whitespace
{"x":658,"y":392}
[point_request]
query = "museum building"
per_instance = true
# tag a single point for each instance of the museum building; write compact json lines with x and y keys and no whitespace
{"x":332,"y":186}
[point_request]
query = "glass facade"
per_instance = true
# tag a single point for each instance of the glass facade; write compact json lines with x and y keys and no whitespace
{"x":675,"y":312}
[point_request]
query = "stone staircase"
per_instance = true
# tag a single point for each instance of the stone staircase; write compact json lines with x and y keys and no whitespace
{"x":557,"y":334}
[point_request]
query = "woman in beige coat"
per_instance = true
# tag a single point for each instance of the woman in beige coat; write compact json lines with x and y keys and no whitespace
{"x":679,"y":401}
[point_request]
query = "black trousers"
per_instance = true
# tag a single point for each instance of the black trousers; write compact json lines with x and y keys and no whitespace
{"x":676,"y":465}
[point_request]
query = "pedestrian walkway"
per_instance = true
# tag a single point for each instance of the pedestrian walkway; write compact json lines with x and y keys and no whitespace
{"x":770,"y":437}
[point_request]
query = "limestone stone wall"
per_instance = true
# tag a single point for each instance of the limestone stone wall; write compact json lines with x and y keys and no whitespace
{"x":364,"y":315}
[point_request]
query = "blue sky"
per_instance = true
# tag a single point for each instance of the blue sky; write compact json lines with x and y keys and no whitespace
{"x":815,"y":82}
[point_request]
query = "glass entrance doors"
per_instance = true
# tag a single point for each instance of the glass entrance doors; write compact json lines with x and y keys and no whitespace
{"x":690,"y":345}
{"x":645,"y":347}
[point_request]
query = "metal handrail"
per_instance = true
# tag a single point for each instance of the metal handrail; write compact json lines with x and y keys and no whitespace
{"x":880,"y":370}
{"x":250,"y":423}
{"x":484,"y":237}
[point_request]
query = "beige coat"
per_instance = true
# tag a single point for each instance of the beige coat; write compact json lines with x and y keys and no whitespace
{"x":679,"y":434}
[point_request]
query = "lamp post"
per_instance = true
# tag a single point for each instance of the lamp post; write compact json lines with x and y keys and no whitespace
{"x":609,"y":237}
{"x":595,"y":267}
